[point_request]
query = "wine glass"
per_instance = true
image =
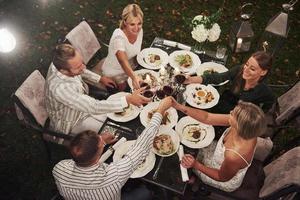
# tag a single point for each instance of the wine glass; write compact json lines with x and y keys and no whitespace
{"x":160,"y":94}
{"x":168,"y":90}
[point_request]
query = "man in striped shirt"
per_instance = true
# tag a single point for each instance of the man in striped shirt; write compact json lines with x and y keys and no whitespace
{"x":85,"y":178}
{"x":70,"y":108}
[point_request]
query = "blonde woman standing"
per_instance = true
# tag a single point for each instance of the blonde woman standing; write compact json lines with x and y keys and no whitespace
{"x":225,"y":163}
{"x":124,"y":45}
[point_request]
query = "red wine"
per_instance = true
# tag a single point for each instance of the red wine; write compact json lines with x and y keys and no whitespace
{"x":143,"y":84}
{"x":148,"y":94}
{"x":168,"y":90}
{"x":179,"y":78}
{"x":160,"y":94}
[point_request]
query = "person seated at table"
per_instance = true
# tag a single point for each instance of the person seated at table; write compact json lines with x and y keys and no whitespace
{"x":125,"y":43}
{"x":247,"y":83}
{"x":84,"y":177}
{"x":223,"y":164}
{"x":70,"y":108}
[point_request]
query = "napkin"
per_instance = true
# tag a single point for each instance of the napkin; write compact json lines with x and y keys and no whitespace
{"x":108,"y":153}
{"x":183,"y":46}
{"x":184,"y":173}
{"x":170,"y":43}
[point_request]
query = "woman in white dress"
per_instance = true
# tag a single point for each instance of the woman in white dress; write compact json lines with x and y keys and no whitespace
{"x":225,"y":163}
{"x":124,"y":45}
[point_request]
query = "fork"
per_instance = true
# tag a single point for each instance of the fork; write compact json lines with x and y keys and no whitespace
{"x":154,"y":177}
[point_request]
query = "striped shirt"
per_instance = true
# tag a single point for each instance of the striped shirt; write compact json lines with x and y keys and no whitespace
{"x":102,"y":181}
{"x":67,"y":102}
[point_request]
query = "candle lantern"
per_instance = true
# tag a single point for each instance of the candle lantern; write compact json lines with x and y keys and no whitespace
{"x":276,"y":31}
{"x":241,"y":32}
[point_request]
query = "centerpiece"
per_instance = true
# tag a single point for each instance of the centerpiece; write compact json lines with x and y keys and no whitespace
{"x":205,"y":29}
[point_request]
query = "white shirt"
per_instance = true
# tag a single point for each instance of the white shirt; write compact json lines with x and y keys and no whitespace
{"x":102,"y":181}
{"x":67,"y":102}
{"x":119,"y":42}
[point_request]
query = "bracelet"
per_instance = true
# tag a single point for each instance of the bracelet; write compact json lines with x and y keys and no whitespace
{"x":104,"y":143}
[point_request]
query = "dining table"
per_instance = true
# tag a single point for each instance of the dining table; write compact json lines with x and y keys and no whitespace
{"x":169,"y":174}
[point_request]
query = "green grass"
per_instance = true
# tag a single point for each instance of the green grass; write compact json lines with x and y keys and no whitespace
{"x":37,"y":26}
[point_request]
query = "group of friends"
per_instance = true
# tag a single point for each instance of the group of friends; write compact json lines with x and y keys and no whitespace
{"x":71,"y":110}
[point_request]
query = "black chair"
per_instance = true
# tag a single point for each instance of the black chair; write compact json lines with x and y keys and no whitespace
{"x":263,"y":180}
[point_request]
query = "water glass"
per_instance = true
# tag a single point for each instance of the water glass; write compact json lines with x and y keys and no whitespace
{"x":221,"y":51}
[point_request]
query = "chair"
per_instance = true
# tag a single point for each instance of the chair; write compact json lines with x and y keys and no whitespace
{"x":275,"y":180}
{"x":29,"y":101}
{"x":84,"y":39}
{"x":285,"y":112}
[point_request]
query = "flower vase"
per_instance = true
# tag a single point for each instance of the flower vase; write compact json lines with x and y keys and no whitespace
{"x":199,"y":48}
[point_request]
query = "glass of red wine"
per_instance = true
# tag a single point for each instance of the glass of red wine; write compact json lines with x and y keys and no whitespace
{"x":148,"y":94}
{"x":179,"y":79}
{"x":168,"y":90}
{"x":160,"y":94}
{"x":143,"y":84}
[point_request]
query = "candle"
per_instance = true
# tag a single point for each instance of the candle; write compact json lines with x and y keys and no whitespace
{"x":239,"y":43}
{"x":176,"y":71}
{"x":162,"y":71}
{"x":148,"y":79}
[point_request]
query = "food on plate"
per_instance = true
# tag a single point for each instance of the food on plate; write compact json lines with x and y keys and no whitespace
{"x":210,"y":71}
{"x":184,"y":60}
{"x":202,"y":96}
{"x":142,"y":164}
{"x":126,"y":111}
{"x":154,"y":59}
{"x":152,"y":82}
{"x":163,"y":144}
{"x":194,"y":133}
{"x":165,"y":120}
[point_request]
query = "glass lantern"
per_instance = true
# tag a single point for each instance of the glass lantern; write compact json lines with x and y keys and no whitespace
{"x":241,"y":33}
{"x":275,"y":32}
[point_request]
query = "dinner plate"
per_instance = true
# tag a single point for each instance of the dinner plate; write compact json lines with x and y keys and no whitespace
{"x":171,"y":115}
{"x":153,"y":58}
{"x":130,"y":113}
{"x":170,"y":133}
{"x":154,"y":77}
{"x":211,"y":66}
{"x":143,"y":168}
{"x":183,"y":128}
{"x":199,"y":101}
{"x":195,"y":61}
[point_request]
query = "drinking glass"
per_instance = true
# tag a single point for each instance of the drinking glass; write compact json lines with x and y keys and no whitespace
{"x":221,"y":51}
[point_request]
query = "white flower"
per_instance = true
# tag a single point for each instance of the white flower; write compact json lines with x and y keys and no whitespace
{"x":214,"y":33}
{"x":199,"y":33}
{"x":199,"y":18}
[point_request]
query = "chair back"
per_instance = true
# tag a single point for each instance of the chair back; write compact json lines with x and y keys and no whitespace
{"x":84,"y":39}
{"x":289,"y":105}
{"x":30,"y":100}
{"x":282,"y":175}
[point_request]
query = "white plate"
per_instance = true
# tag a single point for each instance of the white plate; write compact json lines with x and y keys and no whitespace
{"x":143,"y":58}
{"x":172,"y":115}
{"x":207,"y":133}
{"x":130,"y":114}
{"x":212,"y":66}
{"x":142,"y":169}
{"x":163,"y":130}
{"x":142,"y":72}
{"x":191,"y":69}
{"x":193,"y":101}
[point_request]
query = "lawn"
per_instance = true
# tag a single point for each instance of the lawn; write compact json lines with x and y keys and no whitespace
{"x":38,"y":24}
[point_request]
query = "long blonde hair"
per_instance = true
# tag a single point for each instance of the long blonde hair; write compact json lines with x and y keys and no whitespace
{"x":250,"y":120}
{"x":130,"y":11}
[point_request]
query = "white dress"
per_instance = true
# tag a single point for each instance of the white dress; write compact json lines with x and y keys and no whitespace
{"x":119,"y":42}
{"x":213,"y":156}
